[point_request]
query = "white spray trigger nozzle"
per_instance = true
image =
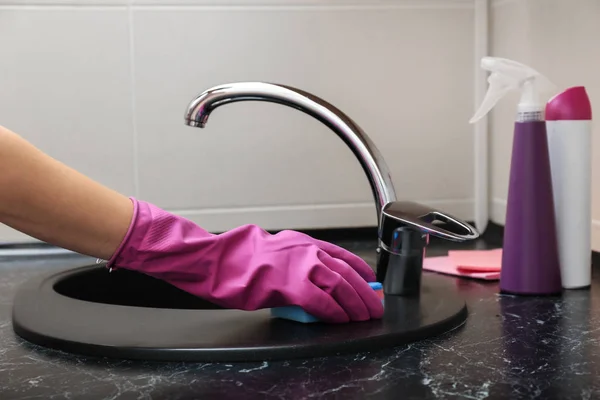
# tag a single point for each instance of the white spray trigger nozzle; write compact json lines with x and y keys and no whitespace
{"x":507,"y":75}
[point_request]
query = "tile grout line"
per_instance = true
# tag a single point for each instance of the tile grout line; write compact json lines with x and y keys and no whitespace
{"x":481,"y":178}
{"x":301,"y":7}
{"x":61,"y":7}
{"x":208,"y":216}
{"x":464,"y":4}
{"x":135,"y":141}
{"x":291,"y":207}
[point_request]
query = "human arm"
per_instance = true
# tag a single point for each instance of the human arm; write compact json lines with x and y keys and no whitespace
{"x":245,"y":268}
{"x":45,"y":199}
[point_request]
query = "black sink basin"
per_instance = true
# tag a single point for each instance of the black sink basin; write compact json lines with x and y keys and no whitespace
{"x":124,"y":314}
{"x":127,"y":288}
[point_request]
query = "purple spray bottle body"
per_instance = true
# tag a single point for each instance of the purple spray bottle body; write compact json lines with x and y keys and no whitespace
{"x":530,"y":261}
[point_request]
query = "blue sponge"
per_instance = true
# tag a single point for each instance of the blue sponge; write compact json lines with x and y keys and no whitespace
{"x":293,"y":313}
{"x":296,"y":313}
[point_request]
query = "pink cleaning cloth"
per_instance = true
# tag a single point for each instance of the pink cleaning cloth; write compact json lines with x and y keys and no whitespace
{"x":477,"y":260}
{"x":445,"y":265}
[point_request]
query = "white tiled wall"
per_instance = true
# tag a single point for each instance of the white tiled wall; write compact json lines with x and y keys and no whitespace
{"x":560,"y":39}
{"x":103,"y":86}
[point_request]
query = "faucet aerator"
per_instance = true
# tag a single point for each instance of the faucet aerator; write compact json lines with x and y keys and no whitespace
{"x":194,"y":124}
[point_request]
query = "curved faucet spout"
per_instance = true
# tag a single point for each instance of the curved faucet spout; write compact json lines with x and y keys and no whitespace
{"x":361,"y":145}
{"x":403,"y":227}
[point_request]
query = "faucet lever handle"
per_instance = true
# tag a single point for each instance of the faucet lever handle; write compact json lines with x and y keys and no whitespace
{"x":398,"y":214}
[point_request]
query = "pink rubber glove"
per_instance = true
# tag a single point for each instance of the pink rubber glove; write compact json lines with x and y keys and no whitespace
{"x":247,"y":268}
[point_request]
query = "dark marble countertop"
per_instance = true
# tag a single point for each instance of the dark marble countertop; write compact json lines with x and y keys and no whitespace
{"x":509,"y":348}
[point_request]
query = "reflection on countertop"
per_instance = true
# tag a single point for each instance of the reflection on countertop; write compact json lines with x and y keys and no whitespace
{"x":509,"y":348}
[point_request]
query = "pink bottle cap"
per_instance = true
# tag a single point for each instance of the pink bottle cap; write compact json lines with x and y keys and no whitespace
{"x":570,"y":105}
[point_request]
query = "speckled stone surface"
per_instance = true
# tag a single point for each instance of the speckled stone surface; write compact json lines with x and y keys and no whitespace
{"x":509,"y":348}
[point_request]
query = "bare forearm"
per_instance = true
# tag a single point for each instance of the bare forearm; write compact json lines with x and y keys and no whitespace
{"x":46,"y":199}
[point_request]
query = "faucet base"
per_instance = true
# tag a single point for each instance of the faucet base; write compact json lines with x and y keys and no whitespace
{"x":399,"y":266}
{"x":403,"y":277}
{"x":128,"y":315}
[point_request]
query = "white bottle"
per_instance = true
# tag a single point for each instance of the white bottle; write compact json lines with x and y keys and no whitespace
{"x":569,"y":130}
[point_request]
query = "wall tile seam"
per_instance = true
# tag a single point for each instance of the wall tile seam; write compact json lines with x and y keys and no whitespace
{"x":257,"y":6}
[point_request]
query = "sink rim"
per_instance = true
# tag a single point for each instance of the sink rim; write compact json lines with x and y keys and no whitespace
{"x":47,"y":318}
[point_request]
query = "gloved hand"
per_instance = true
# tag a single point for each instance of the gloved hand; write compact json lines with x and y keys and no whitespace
{"x":247,"y":268}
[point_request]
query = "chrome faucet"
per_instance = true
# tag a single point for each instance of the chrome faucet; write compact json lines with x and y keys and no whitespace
{"x":404,"y":227}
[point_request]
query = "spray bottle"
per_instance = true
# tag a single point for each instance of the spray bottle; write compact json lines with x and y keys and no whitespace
{"x":530,"y":261}
{"x":569,"y":126}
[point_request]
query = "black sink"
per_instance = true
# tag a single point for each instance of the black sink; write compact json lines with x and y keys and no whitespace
{"x":127,"y":288}
{"x":129,"y":315}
